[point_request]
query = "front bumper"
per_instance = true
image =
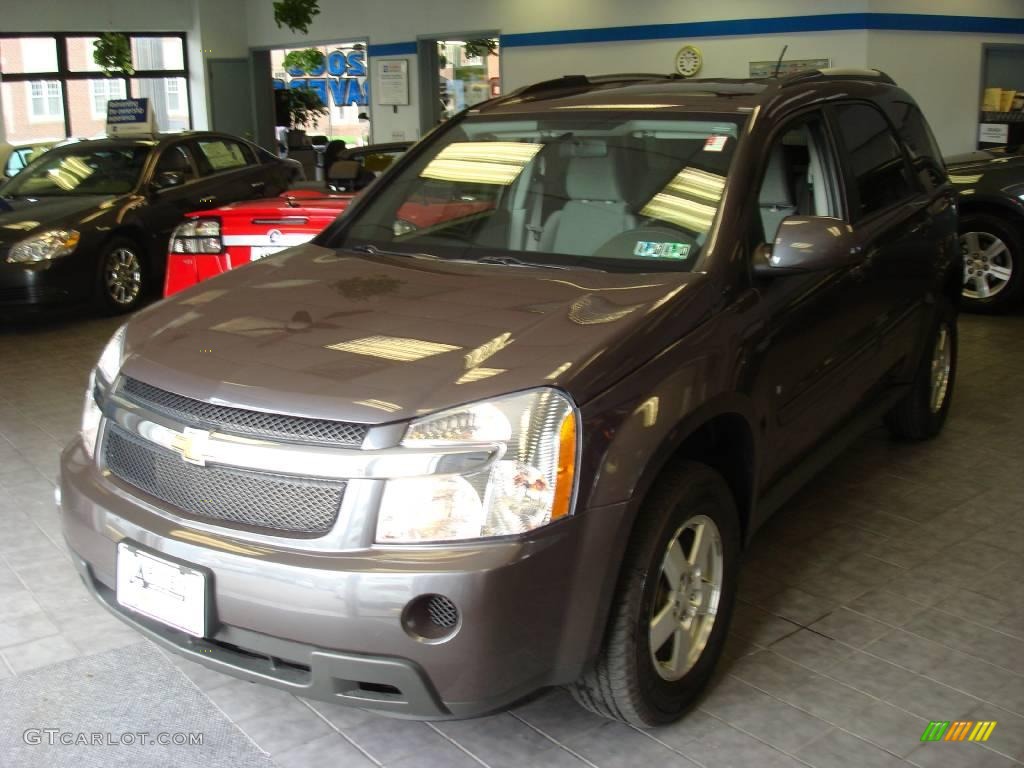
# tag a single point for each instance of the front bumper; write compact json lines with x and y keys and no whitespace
{"x":328,"y":625}
{"x":61,"y":281}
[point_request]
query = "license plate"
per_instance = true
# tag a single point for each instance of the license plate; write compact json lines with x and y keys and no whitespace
{"x":168,"y":592}
{"x":257,"y":252}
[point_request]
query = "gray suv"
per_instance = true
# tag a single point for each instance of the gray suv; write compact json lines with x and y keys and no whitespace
{"x":509,"y":422}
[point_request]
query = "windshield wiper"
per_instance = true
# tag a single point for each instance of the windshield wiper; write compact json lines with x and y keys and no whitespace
{"x":513,"y":261}
{"x":373,"y":250}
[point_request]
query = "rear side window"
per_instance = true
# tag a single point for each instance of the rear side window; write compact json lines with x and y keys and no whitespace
{"x":924,"y":151}
{"x":219,"y":155}
{"x":875,"y":160}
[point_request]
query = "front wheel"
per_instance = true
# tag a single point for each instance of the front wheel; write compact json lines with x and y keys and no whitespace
{"x":921,"y":414}
{"x":673,"y":604}
{"x":122,"y":279}
{"x":992,"y":251}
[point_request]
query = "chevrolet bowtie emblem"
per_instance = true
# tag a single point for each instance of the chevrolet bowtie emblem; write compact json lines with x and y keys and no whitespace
{"x":191,"y":444}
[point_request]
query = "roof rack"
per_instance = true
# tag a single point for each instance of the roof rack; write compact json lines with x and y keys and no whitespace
{"x":873,"y":75}
{"x":583,"y":81}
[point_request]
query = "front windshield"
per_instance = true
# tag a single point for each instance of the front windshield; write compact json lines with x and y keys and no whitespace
{"x":609,"y":191}
{"x":81,"y":171}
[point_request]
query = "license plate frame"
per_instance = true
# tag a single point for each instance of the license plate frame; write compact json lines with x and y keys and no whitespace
{"x":174,"y":593}
{"x":257,"y":252}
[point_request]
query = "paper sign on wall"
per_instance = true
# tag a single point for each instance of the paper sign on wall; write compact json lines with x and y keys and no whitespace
{"x":392,"y":86}
{"x":994,"y":133}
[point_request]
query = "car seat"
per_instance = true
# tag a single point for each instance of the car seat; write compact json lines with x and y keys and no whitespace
{"x":776,"y":197}
{"x":594,"y":210}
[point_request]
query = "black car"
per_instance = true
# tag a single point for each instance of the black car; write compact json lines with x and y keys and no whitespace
{"x":90,"y":221}
{"x":991,"y":190}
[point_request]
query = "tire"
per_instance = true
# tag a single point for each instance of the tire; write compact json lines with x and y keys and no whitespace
{"x":993,"y":262}
{"x":628,"y":682}
{"x":123,"y":280}
{"x":922,"y":412}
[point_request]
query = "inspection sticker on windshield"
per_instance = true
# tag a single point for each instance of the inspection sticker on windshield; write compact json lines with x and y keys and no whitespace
{"x":651,"y":250}
{"x":715,"y":143}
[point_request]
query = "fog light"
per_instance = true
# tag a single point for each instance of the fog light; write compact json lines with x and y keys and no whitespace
{"x":431,"y":619}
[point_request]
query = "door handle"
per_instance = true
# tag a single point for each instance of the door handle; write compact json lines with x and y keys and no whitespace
{"x":207,"y":200}
{"x":258,"y":185}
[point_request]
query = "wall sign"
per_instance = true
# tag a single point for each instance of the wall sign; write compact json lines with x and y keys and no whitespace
{"x":788,"y":66}
{"x":994,"y":133}
{"x":392,"y":82}
{"x":340,"y":81}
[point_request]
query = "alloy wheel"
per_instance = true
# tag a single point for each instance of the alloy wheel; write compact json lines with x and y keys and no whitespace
{"x":123,"y":276}
{"x":988,"y":264}
{"x":687,"y":597}
{"x":942,"y":364}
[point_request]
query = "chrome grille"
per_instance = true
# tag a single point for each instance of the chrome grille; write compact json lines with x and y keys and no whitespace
{"x":223,"y":418}
{"x":278,"y":503}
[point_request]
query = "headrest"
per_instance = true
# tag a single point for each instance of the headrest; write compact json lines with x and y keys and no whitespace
{"x":175,"y":160}
{"x":592,"y":178}
{"x":343,"y":169}
{"x":775,"y":187}
{"x":584,"y":148}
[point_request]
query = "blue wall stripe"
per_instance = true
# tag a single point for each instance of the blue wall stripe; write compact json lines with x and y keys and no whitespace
{"x":826,"y":22}
{"x":830,"y":22}
{"x":392,"y":49}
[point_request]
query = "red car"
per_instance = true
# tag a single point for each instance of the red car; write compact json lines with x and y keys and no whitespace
{"x":209,"y":243}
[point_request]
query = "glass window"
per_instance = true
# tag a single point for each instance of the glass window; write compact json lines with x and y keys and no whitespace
{"x":71,"y":171}
{"x":798,"y":178}
{"x":875,"y":159}
{"x":158,"y":53}
{"x":612,"y":192}
{"x":341,"y":84}
{"x":80,"y":50}
{"x":20,"y":124}
{"x":20,"y":55}
{"x":34,"y":80}
{"x":167,"y":97}
{"x":45,"y":101}
{"x":925,"y":155}
{"x":217,"y":155}
{"x":177,"y":159}
{"x":87,"y":101}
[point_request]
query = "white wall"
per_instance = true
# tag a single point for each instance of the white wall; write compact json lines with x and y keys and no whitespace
{"x":942,"y":70}
{"x":723,"y":56}
{"x":214,"y":33}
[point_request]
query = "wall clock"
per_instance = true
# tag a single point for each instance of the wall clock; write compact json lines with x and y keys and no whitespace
{"x":689,"y":60}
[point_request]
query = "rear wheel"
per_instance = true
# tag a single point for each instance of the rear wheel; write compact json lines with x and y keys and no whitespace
{"x":992,"y":254}
{"x":122,"y":279}
{"x":921,"y":414}
{"x":673,"y":604}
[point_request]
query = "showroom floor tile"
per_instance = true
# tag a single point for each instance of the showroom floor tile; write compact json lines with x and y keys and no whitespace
{"x":888,"y":593}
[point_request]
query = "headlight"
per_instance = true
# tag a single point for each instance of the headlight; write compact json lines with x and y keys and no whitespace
{"x":91,"y":415}
{"x":402,"y":227}
{"x":530,"y":485}
{"x":101,"y":378}
{"x":109,"y":364}
{"x":197,"y":236}
{"x":45,"y":246}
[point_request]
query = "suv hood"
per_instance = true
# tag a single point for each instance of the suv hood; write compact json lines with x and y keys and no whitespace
{"x":341,"y":335}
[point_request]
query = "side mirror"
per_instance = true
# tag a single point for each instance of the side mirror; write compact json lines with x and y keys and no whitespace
{"x":166,"y":179}
{"x":807,"y":244}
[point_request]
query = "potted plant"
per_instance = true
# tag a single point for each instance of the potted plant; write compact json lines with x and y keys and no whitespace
{"x":112,"y":51}
{"x":304,"y":109}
